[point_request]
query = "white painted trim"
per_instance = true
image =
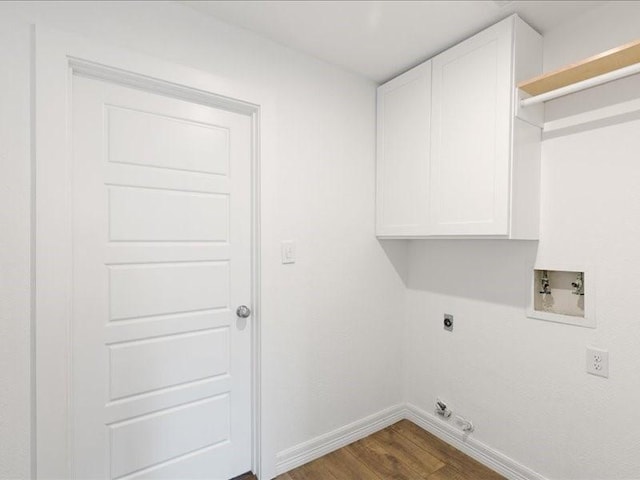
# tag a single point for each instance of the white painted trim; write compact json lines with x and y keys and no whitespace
{"x":467,"y":444}
{"x":32,"y":255}
{"x":256,"y":296}
{"x":88,"y":68}
{"x":322,"y":445}
{"x":56,"y":56}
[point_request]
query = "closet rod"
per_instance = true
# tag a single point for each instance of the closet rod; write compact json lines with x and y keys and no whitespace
{"x":582,"y":85}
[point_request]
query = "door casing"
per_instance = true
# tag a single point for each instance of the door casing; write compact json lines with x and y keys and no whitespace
{"x":56,"y":57}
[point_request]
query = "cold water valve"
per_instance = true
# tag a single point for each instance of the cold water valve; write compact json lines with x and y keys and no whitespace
{"x":578,"y":284}
{"x":442,"y":410}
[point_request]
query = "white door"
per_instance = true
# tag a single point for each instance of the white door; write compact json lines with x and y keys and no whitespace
{"x":403,"y":151}
{"x":161,"y":259}
{"x":470,"y":136}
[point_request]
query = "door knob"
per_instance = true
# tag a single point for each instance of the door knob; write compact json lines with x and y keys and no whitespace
{"x":243,"y":311}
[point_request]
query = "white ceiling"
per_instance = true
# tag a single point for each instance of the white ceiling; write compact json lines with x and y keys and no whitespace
{"x":380,"y":39}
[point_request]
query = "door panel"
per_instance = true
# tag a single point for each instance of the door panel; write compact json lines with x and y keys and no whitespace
{"x":161,"y":250}
{"x":403,"y":154}
{"x":133,"y":365}
{"x":144,"y":214}
{"x":151,"y":439}
{"x":166,"y":142}
{"x":471,"y":136}
{"x":142,"y":290}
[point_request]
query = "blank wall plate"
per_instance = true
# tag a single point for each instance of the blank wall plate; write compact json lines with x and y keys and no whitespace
{"x":288,"y":252}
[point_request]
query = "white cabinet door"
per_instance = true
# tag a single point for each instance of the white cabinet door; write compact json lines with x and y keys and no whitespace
{"x":471,"y":124}
{"x":404,"y":110}
{"x":161,"y":259}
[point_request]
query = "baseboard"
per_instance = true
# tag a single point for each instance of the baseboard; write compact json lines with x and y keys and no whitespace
{"x":317,"y":447}
{"x":486,"y":455}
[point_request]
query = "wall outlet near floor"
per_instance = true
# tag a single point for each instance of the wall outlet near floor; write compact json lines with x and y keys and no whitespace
{"x":598,"y":362}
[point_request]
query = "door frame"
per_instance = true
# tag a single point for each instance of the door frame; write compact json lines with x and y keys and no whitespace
{"x":56,"y":57}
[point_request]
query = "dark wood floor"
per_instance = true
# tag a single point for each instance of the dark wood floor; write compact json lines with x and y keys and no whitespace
{"x":402,"y":451}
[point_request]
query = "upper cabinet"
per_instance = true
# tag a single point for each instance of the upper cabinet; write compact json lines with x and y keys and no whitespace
{"x":403,"y":150}
{"x":470,"y":133}
{"x":454,"y":156}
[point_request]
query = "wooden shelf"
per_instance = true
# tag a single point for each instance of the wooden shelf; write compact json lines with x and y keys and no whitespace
{"x":600,"y":64}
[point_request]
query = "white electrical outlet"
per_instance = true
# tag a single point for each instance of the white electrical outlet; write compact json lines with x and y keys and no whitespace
{"x":598,"y":362}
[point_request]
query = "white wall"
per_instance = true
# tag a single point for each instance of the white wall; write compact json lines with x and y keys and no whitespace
{"x":523,"y":381}
{"x":15,"y":174}
{"x":331,"y":322}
